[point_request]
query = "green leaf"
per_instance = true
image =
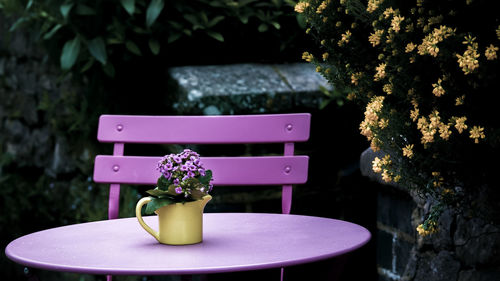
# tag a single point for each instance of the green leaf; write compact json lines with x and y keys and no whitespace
{"x":204,"y":18}
{"x":29,"y":4}
{"x":262,"y":27}
{"x":173,"y":37}
{"x":154,"y":45}
{"x":215,"y":35}
{"x":244,"y":19}
{"x":301,"y":21}
{"x":157,"y":192}
{"x":163,"y":183}
{"x":205,"y":180}
{"x":215,"y":21}
{"x":88,"y":65}
{"x":84,"y":10}
{"x":276,"y":25}
{"x":133,"y":48}
{"x":154,"y":9}
{"x":70,"y":52}
{"x":52,"y":31}
{"x":324,"y":103}
{"x":109,"y":69}
{"x":18,"y":22}
{"x":65,"y":9}
{"x":97,"y":48}
{"x":157,"y":203}
{"x":192,"y":19}
{"x":128,"y":5}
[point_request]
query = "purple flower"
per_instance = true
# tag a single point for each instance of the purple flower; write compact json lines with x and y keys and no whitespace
{"x":176,"y":181}
{"x":192,"y":168}
{"x":168,"y":165}
{"x":178,"y":190}
{"x":190,"y":174}
{"x":177,"y":159}
{"x":183,"y":168}
{"x":167,"y":175}
{"x":202,"y":172}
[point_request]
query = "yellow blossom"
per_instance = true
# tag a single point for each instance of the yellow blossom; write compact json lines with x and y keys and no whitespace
{"x":365,"y":130}
{"x":408,"y":151}
{"x":431,"y":228}
{"x":325,"y":19}
{"x":374,"y":144}
{"x":380,"y":72}
{"x":323,"y":42}
{"x":395,"y":23}
{"x":383,"y":123}
{"x":397,"y":178}
{"x":477,"y":133}
{"x":355,"y":78}
{"x":351,"y":96}
{"x":377,"y":165}
{"x":321,"y":7}
{"x":444,"y":131}
{"x":410,"y":47}
{"x":460,"y":100}
{"x":388,"y":12}
{"x":429,"y":43}
{"x":345,"y":38}
{"x":301,"y":6}
{"x":409,"y":28}
{"x":375,"y":37}
{"x":386,"y":160}
{"x":307,"y":56}
{"x":498,"y":32}
{"x":460,"y":124}
{"x":414,"y":114}
{"x":438,"y":88}
{"x":373,"y":5}
{"x":325,"y":56}
{"x":386,"y":176}
{"x":318,"y":69}
{"x":387,"y":88}
{"x":491,"y":52}
{"x":468,"y":61}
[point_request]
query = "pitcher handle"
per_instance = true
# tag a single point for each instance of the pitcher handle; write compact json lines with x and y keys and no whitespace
{"x":138,"y":209}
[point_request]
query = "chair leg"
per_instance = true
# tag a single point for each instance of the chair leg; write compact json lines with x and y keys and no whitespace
{"x":282,"y":273}
{"x":30,"y":275}
{"x":109,"y":277}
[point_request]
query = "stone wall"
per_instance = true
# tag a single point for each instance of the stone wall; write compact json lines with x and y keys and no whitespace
{"x":465,"y":248}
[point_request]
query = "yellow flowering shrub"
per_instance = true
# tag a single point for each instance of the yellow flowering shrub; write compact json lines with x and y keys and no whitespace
{"x":427,"y":78}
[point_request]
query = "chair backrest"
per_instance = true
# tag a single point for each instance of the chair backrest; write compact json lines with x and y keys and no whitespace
{"x":283,"y":170}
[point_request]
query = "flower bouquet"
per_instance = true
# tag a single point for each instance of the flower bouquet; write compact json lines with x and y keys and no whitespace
{"x":183,"y":179}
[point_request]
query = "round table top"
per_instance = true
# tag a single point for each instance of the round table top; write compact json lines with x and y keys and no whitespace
{"x":231,"y":242}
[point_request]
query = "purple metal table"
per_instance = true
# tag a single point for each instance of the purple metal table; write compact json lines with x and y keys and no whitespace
{"x":232,"y":242}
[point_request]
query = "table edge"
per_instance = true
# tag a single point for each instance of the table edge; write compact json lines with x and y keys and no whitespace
{"x":251,"y":267}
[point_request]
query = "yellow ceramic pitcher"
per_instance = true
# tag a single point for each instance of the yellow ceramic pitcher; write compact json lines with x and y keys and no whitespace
{"x":179,"y":224}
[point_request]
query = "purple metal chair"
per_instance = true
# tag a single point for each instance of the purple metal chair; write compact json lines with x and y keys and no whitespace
{"x":283,"y":170}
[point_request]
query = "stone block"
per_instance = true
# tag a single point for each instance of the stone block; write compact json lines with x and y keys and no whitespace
{"x":479,"y":275}
{"x":477,"y":242}
{"x":402,"y":251}
{"x":384,"y":249}
{"x":246,"y":88}
{"x":394,"y":209}
{"x":440,"y":267}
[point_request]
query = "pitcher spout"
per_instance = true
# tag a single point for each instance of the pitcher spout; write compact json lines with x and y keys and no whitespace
{"x":204,"y":201}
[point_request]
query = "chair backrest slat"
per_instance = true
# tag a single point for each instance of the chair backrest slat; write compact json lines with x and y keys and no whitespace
{"x":204,"y":129}
{"x":284,"y":170}
{"x":266,"y":170}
